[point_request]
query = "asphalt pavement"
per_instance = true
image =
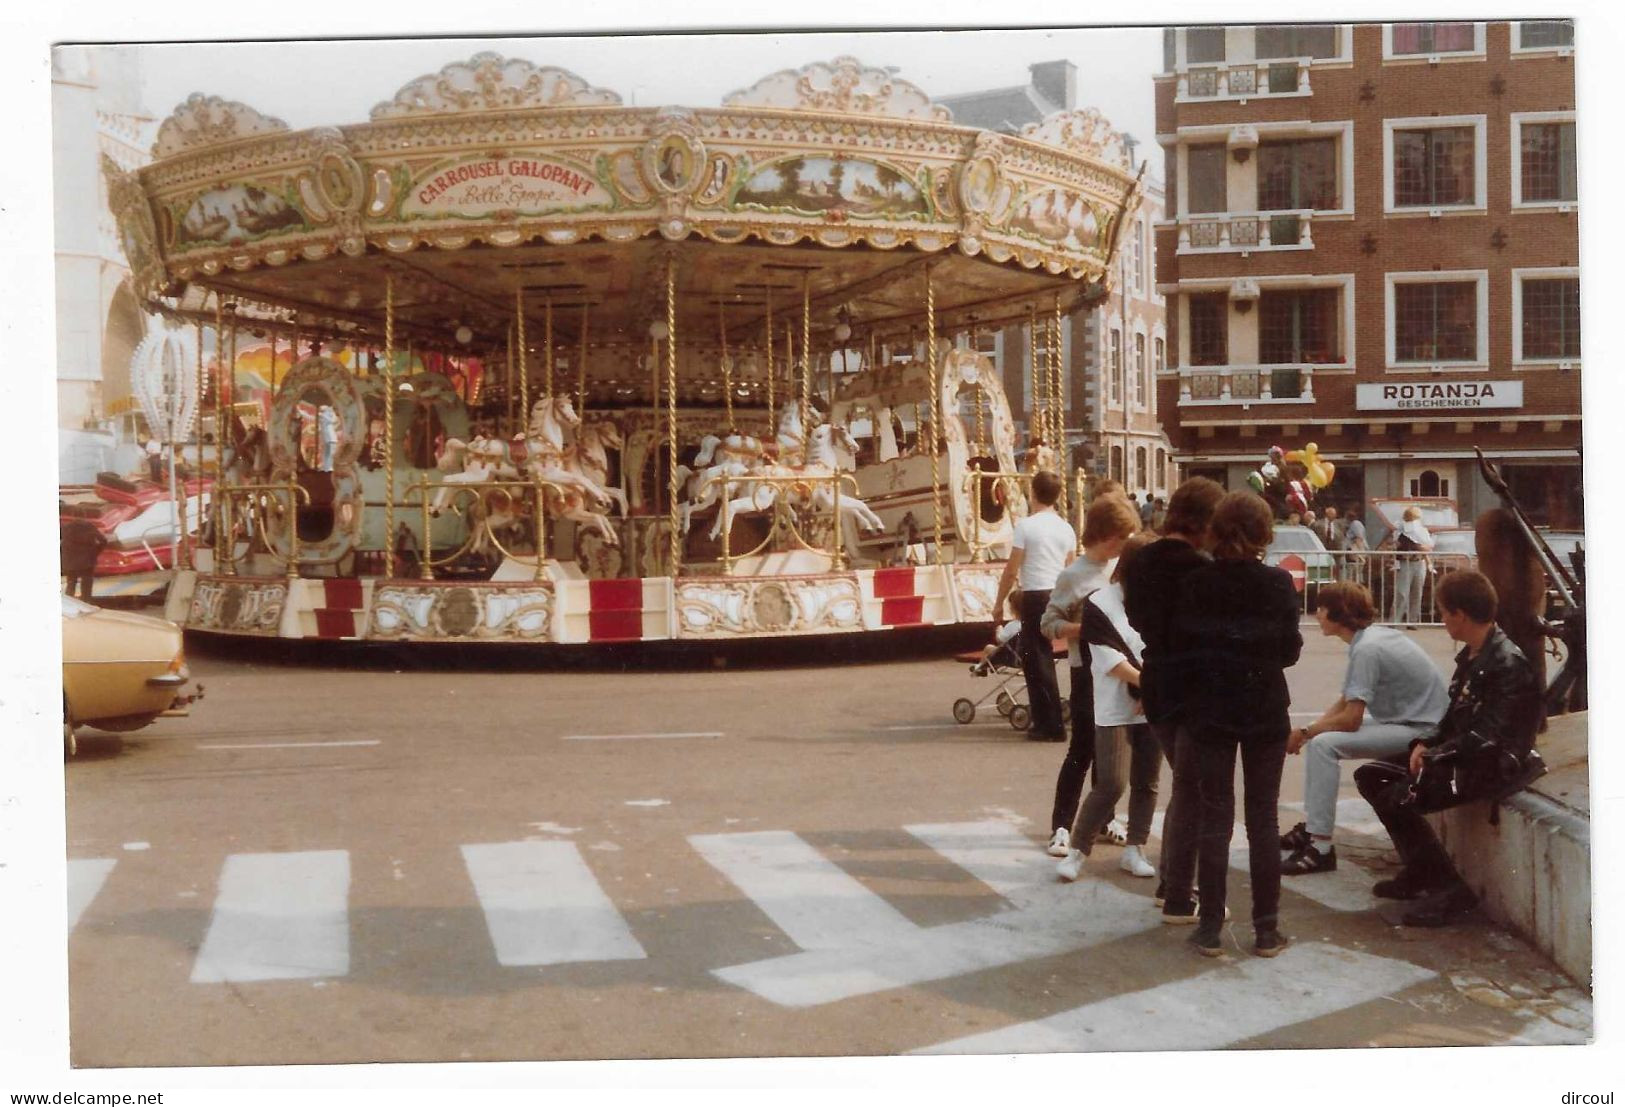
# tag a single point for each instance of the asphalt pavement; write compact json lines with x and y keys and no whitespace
{"x":354,"y":856}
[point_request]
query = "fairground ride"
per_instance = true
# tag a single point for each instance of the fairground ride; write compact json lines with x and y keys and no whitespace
{"x":560,"y":370}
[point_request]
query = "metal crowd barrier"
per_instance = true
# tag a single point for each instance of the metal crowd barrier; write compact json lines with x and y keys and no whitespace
{"x":1401,"y":583}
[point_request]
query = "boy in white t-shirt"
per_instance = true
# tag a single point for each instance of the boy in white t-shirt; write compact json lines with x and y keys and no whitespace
{"x":1043,"y":545}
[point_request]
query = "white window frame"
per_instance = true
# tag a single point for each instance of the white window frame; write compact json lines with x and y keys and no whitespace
{"x":1518,"y":277}
{"x":1479,"y":123}
{"x":1159,"y":333}
{"x":1537,"y":51}
{"x":1114,"y":326}
{"x":1132,"y":397}
{"x":1481,"y":360}
{"x":1287,"y":281}
{"x":1475,"y":54}
{"x":1518,"y":119}
{"x":1342,"y":129}
{"x":1343,"y":57}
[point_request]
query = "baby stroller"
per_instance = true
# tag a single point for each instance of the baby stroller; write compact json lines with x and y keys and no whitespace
{"x":1009,"y":690}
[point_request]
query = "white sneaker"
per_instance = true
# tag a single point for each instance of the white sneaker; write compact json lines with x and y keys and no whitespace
{"x":1072,"y":868}
{"x":1058,"y":845}
{"x":1134,"y":862}
{"x":1114,"y":833}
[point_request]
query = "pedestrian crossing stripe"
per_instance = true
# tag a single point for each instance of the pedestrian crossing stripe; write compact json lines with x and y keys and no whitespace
{"x":278,"y":916}
{"x":85,"y":879}
{"x":1218,"y":1008}
{"x":543,"y":906}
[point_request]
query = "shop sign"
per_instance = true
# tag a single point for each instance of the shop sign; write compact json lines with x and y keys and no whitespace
{"x":1440,"y":395}
{"x":520,"y":185}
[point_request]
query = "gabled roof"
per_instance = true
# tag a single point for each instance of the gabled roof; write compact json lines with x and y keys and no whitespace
{"x":999,"y":109}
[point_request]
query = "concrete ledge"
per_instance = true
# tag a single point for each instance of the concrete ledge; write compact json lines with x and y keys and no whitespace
{"x":1532,"y":872}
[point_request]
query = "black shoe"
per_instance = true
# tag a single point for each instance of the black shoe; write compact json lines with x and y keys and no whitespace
{"x":1207,"y":940}
{"x":1442,"y":908}
{"x":1270,"y":943}
{"x":1295,"y":839}
{"x":1160,"y":897}
{"x":1310,"y":860}
{"x":1175,"y":913}
{"x":1403,"y":886}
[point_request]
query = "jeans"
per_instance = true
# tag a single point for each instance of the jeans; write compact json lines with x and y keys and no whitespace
{"x":1038,"y":664}
{"x":1080,"y":753}
{"x":1386,"y":786}
{"x":1176,"y":865}
{"x":1125,"y":756}
{"x":1322,"y":757}
{"x":1211,"y":758}
{"x":1408,"y":576}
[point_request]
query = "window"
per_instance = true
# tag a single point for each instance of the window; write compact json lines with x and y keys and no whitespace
{"x":1117,"y":463}
{"x":1301,"y":173}
{"x":1209,"y":314}
{"x":1551,"y":318}
{"x":1138,"y":259}
{"x":1204,"y":44}
{"x":1429,"y":483}
{"x":1545,"y":34}
{"x":1116,"y":366}
{"x":1302,"y":41}
{"x":1436,"y":321}
{"x":1159,"y":352}
{"x":1141,"y":385}
{"x":1169,"y":37}
{"x":1298,"y":325}
{"x":1435,"y":167}
{"x":1205,"y":170}
{"x":1161,"y":476}
{"x":1547,"y":163}
{"x":1432,"y":38}
{"x":1140,"y":474}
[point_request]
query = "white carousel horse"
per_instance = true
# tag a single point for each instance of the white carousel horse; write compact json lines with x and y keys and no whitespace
{"x":589,"y":456}
{"x":733,"y":456}
{"x":575,"y":495}
{"x":792,"y":437}
{"x":829,"y":449}
{"x":479,"y":459}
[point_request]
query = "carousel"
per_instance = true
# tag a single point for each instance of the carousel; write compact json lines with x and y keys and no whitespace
{"x":541,"y":367}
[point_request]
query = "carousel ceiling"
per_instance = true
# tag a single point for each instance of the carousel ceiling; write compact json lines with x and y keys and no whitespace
{"x":496,"y":179}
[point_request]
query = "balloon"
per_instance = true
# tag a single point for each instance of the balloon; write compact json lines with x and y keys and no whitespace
{"x":1330,"y":470}
{"x":1297,"y":497}
{"x":1317,"y":471}
{"x":1255,"y":481}
{"x":1270,"y":471}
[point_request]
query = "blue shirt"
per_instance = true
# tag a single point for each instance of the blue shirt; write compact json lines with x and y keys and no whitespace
{"x":1394,"y":678}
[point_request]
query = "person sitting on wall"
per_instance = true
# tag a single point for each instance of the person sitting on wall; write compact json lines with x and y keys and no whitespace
{"x":1483,"y":749}
{"x":1392,"y":695}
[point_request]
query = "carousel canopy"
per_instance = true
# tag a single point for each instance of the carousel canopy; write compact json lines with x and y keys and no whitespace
{"x":496,"y":180}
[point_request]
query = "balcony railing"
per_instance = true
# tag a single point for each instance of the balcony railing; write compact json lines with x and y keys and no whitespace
{"x":1245,"y":80}
{"x":1246,"y":384}
{"x":1230,"y":232}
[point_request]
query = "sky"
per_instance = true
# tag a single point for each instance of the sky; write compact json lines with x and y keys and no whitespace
{"x":340,"y":81}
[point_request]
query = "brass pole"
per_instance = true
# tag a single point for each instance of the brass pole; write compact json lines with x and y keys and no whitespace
{"x":806,"y":360}
{"x":197,"y":423}
{"x":524,"y":362}
{"x":581,"y":369}
{"x":772,"y":421}
{"x":675,"y":547}
{"x":1059,"y":395}
{"x":547,"y":327}
{"x":727,"y":367}
{"x":541,"y":527}
{"x":507,"y":387}
{"x":936,"y":411}
{"x":273,"y":364}
{"x":1035,"y":422}
{"x":389,"y":427}
{"x":293,"y":528}
{"x":425,"y":570}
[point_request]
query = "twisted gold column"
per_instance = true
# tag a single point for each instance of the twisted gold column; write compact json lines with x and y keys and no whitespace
{"x":524,"y":361}
{"x":772,"y":419}
{"x":581,"y":370}
{"x":389,"y":427}
{"x":806,"y":361}
{"x":547,"y":336}
{"x":675,"y":547}
{"x":936,"y":411}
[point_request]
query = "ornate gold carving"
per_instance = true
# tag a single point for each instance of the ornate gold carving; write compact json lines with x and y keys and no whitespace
{"x":490,"y":82}
{"x":743,"y":607}
{"x":461,"y":612}
{"x":844,"y":85}
{"x":237,"y":606}
{"x":1082,"y":131}
{"x":209,"y":121}
{"x":137,"y":231}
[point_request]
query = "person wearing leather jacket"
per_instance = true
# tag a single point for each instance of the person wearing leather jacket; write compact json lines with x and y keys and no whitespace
{"x":1481,"y":750}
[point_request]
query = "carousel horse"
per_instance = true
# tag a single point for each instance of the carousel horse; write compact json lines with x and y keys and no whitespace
{"x":734,"y":456}
{"x":472,"y":462}
{"x":824,"y":460}
{"x":589,"y":456}
{"x":574,"y":495}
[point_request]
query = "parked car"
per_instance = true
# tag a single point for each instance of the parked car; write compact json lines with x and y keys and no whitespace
{"x":1455,"y":549}
{"x":1306,"y":545}
{"x":120,"y":670}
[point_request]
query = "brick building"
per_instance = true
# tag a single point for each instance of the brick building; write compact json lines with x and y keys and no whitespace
{"x":1373,"y":244}
{"x":1111,"y":353}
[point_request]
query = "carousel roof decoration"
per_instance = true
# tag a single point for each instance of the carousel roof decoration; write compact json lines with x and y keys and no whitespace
{"x":844,"y":86}
{"x":209,"y":121}
{"x":496,"y":175}
{"x":491,"y":82}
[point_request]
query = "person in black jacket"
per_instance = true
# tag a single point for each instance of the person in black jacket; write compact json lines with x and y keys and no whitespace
{"x":1150,"y":595}
{"x":81,"y":542}
{"x":1480,"y":751}
{"x":1239,"y":618}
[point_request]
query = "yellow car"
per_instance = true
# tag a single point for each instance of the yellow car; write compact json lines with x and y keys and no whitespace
{"x":120,"y":670}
